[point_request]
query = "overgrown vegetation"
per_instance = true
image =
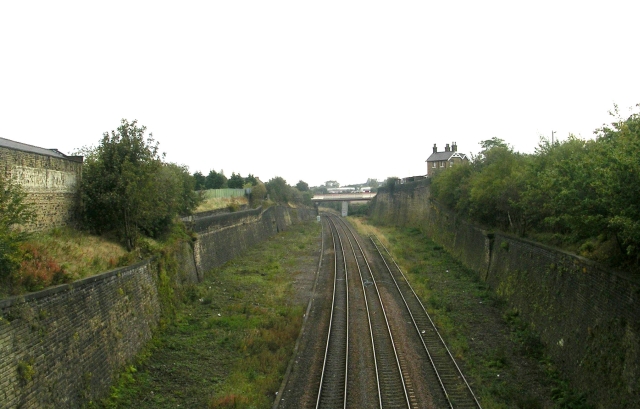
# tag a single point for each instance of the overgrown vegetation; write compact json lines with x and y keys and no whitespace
{"x":578,"y":194}
{"x":280,"y":192}
{"x":14,"y":212}
{"x":128,"y":190}
{"x":64,"y":254}
{"x":217,"y":180}
{"x":230,"y":341}
{"x":214,"y":203}
{"x":502,"y":356}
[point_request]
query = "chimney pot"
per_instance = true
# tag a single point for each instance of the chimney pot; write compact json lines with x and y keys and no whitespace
{"x":447,"y":148}
{"x":435,"y":148}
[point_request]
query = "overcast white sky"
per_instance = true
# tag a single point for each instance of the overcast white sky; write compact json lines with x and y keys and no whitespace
{"x":314,"y":91}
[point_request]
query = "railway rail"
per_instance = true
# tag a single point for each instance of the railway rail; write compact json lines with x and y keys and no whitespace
{"x":390,"y":381}
{"x":332,"y":391}
{"x":452,"y":381}
{"x":358,"y":265}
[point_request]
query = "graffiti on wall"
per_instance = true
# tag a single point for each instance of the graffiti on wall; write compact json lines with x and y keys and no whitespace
{"x":39,"y":180}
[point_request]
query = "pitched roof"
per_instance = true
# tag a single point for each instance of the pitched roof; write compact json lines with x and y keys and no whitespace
{"x":7,"y":143}
{"x":439,"y":156}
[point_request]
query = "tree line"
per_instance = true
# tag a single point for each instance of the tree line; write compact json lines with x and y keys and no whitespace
{"x":128,"y":191}
{"x":215,"y":180}
{"x":580,"y":194}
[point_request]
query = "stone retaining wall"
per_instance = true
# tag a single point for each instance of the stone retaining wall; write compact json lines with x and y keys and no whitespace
{"x":588,"y":316}
{"x":62,"y":347}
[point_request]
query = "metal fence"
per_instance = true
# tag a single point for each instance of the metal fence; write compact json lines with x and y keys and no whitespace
{"x":218,"y":193}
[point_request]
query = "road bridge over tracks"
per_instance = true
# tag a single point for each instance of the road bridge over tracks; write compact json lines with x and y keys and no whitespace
{"x":345,"y":198}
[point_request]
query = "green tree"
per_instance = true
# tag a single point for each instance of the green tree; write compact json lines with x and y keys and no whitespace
{"x":320,"y":190}
{"x":235,"y":181}
{"x":494,"y":192}
{"x":250,"y":180}
{"x":331,"y":184}
{"x":373,"y":184}
{"x":616,"y":159}
{"x":258,"y":193}
{"x":14,"y":212}
{"x":391,"y":181}
{"x":183,"y":198}
{"x":127,"y":189}
{"x":279,"y":190}
{"x":200,"y":180}
{"x":215,"y":180}
{"x":451,"y":188}
{"x":302,"y":186}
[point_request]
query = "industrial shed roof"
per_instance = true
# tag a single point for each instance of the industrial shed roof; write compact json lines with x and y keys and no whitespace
{"x":8,"y":143}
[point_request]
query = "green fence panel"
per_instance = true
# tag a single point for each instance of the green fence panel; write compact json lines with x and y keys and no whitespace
{"x":218,"y":193}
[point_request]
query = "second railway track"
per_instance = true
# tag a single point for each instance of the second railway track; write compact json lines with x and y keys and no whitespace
{"x":381,"y":348}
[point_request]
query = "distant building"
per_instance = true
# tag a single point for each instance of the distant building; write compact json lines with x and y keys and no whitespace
{"x":442,"y":160}
{"x":410,"y":179}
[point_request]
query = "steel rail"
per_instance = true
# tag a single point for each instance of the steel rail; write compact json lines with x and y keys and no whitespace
{"x":400,"y":372}
{"x":421,"y":333}
{"x":373,"y":348}
{"x":334,"y":333}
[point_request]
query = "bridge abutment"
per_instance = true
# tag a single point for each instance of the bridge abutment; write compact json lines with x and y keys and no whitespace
{"x":345,"y":208}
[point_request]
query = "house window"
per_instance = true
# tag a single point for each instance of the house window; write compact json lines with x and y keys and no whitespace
{"x":442,"y":164}
{"x":434,"y":165}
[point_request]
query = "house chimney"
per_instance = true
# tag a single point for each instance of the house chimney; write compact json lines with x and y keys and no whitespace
{"x":446,"y":148}
{"x":454,"y":147}
{"x":435,"y":149}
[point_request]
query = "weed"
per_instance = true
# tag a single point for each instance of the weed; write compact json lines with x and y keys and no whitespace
{"x":26,"y":371}
{"x":565,"y":398}
{"x":231,"y":401}
{"x":230,"y":339}
{"x":455,"y":298}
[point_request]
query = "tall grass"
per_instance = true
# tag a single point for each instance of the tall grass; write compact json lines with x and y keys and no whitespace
{"x":232,"y":338}
{"x":215,"y":203}
{"x":62,"y":255}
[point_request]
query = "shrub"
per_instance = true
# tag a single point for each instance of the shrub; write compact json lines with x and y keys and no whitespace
{"x":14,"y":214}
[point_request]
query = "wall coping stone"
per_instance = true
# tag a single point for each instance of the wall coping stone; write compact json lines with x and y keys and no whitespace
{"x":599,"y":266}
{"x":492,"y":233}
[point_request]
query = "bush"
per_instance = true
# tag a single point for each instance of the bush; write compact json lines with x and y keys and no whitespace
{"x":14,"y":214}
{"x":128,"y":190}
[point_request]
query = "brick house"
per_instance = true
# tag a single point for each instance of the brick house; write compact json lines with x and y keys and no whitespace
{"x":442,"y":160}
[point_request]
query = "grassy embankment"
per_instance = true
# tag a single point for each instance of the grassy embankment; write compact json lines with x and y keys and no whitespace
{"x":231,"y":340}
{"x":64,"y":254}
{"x":502,"y":357}
{"x":213,"y":203}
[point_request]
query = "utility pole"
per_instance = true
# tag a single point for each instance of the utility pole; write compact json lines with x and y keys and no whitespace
{"x":552,"y":132}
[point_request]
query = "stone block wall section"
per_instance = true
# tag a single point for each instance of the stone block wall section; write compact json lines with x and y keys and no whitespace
{"x":223,"y":237}
{"x":50,"y":183}
{"x":62,"y":347}
{"x":587,"y":316}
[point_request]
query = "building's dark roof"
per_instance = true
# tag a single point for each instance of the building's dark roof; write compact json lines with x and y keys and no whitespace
{"x":438,"y":156}
{"x":7,"y":143}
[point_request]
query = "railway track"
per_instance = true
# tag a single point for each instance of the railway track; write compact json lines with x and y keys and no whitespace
{"x":332,"y":392}
{"x":390,"y":379}
{"x":395,"y":363}
{"x":454,"y":385}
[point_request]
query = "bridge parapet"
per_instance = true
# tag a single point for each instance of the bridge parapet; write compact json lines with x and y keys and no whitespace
{"x":341,"y":197}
